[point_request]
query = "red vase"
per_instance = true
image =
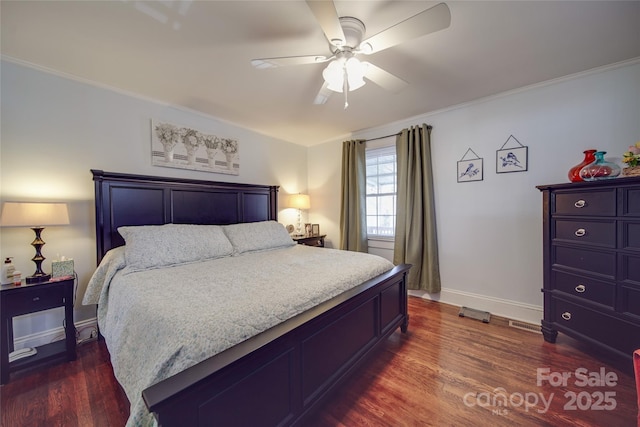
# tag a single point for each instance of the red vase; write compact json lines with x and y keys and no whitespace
{"x":574,"y":172}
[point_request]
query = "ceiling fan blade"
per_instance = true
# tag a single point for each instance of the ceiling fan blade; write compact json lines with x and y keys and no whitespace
{"x":323,"y":94}
{"x":327,"y":16}
{"x":384,"y":79}
{"x":428,"y":21}
{"x":285,"y":61}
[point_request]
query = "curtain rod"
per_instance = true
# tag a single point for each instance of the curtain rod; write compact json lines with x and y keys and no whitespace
{"x":393,"y":134}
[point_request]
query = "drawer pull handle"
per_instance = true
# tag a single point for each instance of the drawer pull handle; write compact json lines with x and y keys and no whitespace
{"x":36,"y":299}
{"x":581,"y":288}
{"x":580,"y":204}
{"x":580,"y":232}
{"x":566,"y":315}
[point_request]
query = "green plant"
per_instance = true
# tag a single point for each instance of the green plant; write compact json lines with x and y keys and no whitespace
{"x":632,"y":157}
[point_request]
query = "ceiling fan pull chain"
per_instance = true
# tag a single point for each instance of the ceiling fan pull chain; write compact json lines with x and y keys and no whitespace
{"x":345,"y":88}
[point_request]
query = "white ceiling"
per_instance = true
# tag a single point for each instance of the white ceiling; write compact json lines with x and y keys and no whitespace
{"x":196,"y":54}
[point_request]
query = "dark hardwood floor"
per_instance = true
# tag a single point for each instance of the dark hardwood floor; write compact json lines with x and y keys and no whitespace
{"x":79,"y":393}
{"x":446,"y":371}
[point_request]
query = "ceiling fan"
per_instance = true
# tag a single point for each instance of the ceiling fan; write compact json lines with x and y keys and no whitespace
{"x":345,"y":72}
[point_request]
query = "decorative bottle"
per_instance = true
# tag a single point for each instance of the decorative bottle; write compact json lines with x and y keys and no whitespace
{"x":599,"y":169}
{"x":7,"y":272}
{"x":574,"y":172}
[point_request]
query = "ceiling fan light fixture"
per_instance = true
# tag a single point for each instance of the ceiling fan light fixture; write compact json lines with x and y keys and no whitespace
{"x":354,"y":70}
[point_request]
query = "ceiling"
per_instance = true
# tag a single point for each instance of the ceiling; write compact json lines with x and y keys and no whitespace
{"x":197,"y":54}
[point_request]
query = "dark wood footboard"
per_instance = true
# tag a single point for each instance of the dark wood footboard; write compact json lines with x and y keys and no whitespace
{"x":278,"y":377}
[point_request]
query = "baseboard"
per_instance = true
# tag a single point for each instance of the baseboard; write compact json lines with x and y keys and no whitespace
{"x":514,"y":310}
{"x":84,"y":328}
{"x":496,"y":306}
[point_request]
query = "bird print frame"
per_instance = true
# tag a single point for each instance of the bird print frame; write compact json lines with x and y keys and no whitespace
{"x":470,"y":169}
{"x":514,"y":159}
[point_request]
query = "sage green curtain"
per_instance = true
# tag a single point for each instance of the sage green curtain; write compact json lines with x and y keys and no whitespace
{"x":416,"y":242}
{"x":353,"y":210}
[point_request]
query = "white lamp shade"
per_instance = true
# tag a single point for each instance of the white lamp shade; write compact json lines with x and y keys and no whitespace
{"x":18,"y":214}
{"x":299,"y":201}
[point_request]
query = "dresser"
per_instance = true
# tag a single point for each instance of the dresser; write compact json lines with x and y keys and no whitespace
{"x":592,"y":263}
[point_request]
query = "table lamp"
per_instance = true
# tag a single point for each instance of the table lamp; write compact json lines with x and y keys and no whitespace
{"x":35,"y":216}
{"x":299,"y":201}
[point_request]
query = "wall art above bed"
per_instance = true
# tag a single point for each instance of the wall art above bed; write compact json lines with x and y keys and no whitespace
{"x":185,"y":148}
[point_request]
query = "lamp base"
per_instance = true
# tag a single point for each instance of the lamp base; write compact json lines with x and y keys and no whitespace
{"x":38,"y":278}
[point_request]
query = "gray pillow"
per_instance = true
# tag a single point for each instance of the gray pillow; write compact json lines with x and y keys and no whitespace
{"x":153,"y":246}
{"x":257,"y":236}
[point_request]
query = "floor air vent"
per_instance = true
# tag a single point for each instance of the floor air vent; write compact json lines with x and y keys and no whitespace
{"x":484,"y":316}
{"x":525,"y":326}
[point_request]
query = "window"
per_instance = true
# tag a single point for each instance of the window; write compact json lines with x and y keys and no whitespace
{"x":381,"y":191}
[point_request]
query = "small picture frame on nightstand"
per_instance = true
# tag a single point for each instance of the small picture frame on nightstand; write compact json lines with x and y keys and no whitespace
{"x":307,"y":229}
{"x":315,"y":229}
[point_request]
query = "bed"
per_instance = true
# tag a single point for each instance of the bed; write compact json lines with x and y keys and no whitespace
{"x":277,"y":376}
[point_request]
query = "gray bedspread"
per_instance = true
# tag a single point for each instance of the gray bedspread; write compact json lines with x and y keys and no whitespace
{"x":160,"y":321}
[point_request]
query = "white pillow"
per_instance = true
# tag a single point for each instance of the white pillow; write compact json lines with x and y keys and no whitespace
{"x":257,"y":236}
{"x":152,"y":246}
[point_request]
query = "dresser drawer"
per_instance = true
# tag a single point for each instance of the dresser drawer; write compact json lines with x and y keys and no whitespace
{"x":593,"y":261}
{"x":586,"y":203}
{"x":631,"y":201}
{"x":629,"y":271}
{"x":597,"y":325}
{"x":44,"y":298}
{"x":630,"y":235}
{"x":630,"y":300}
{"x":602,"y":233}
{"x":587,"y":288}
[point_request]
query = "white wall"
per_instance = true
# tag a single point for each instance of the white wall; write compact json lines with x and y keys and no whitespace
{"x":490,"y":232}
{"x":55,"y":129}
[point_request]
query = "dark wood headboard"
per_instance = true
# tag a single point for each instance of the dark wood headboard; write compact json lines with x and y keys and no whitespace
{"x":126,"y":199}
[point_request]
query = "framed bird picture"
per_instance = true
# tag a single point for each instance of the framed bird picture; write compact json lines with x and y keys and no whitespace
{"x":514,"y":159}
{"x":470,"y":169}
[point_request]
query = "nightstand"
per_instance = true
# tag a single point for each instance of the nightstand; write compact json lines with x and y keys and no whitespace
{"x":31,"y":298}
{"x":311,"y":240}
